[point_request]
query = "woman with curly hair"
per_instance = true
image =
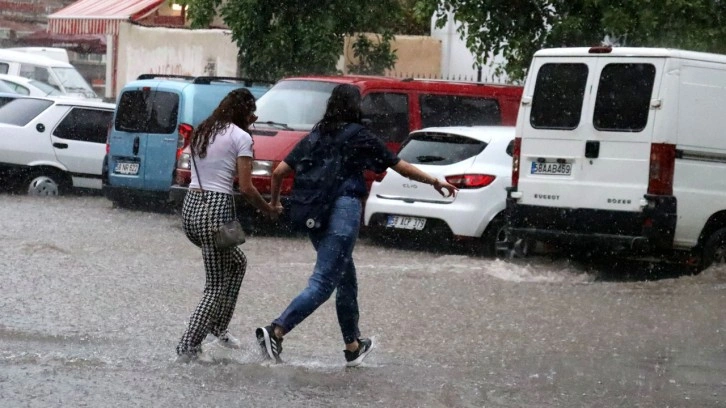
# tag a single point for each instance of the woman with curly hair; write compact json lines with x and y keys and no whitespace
{"x":221,"y":148}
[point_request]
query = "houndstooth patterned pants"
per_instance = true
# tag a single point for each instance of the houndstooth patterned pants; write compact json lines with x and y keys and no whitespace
{"x":225,"y":269}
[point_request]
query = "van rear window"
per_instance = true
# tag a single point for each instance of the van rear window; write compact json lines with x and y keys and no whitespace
{"x":147,"y":112}
{"x":623,"y":97}
{"x":440,"y":149}
{"x":452,"y":110}
{"x":558,"y":96}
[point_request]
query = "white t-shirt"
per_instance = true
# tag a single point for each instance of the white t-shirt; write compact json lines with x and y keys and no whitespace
{"x":218,"y":169}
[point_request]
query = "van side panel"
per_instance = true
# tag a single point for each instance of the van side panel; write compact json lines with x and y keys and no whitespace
{"x":700,"y":174}
{"x":702,"y":95}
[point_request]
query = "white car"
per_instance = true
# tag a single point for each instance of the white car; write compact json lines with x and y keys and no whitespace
{"x":50,"y":145}
{"x":27,"y":86}
{"x":475,"y":159}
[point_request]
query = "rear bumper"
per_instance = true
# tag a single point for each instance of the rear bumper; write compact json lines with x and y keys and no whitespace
{"x":652,"y":228}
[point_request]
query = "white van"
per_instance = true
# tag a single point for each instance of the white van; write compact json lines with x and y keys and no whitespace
{"x":61,"y":75}
{"x":623,"y":149}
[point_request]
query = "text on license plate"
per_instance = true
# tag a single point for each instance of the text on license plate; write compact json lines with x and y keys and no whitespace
{"x":556,"y":169}
{"x":411,"y":223}
{"x":126,"y":168}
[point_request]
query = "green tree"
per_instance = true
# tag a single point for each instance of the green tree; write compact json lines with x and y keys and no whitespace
{"x":293,"y":37}
{"x":518,"y":28}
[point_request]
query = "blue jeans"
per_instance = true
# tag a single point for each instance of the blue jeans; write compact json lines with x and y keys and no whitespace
{"x":334,"y":269}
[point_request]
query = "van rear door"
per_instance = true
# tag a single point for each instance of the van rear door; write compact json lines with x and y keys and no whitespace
{"x":145,"y":122}
{"x":586,"y":133}
{"x":161,"y":140}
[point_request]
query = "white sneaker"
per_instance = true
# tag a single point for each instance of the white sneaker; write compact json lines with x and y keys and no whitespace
{"x":229,"y":341}
{"x":199,"y":356}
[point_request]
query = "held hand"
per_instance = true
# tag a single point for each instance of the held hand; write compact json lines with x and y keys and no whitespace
{"x":274,"y":211}
{"x":445,"y":189}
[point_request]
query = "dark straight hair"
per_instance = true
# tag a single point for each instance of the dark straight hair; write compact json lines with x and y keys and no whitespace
{"x":343,"y":107}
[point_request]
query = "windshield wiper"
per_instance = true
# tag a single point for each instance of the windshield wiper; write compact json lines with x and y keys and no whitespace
{"x":429,"y":159}
{"x":277,"y":124}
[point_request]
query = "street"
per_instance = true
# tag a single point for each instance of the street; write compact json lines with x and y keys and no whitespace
{"x":94,"y":300}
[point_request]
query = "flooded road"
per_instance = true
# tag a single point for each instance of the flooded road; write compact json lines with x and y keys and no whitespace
{"x":94,"y":300}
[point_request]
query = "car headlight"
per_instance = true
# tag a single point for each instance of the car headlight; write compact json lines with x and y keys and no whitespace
{"x":262,"y":168}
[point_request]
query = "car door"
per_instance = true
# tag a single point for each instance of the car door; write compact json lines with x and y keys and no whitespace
{"x":79,"y":142}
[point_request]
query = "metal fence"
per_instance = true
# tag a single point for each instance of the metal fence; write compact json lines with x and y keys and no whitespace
{"x":455,"y":77}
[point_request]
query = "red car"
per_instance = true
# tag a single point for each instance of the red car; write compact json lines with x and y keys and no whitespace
{"x":391,"y":108}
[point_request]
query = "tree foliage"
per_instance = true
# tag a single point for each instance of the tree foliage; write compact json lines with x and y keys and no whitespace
{"x":293,"y":37}
{"x":518,"y":28}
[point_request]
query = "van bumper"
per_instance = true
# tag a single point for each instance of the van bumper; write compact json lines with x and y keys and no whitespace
{"x":125,"y":194}
{"x":652,"y":228}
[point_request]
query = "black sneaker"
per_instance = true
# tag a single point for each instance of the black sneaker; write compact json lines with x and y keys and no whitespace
{"x":354,"y":358}
{"x":271,"y":345}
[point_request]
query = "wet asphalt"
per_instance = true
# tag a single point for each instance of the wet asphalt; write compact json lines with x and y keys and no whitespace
{"x":95,"y":298}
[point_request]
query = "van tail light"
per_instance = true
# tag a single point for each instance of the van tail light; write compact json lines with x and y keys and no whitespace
{"x":185,"y":137}
{"x":662,"y":167}
{"x":516,"y":153}
{"x":108,"y":137}
{"x":378,"y":177}
{"x":469,"y":181}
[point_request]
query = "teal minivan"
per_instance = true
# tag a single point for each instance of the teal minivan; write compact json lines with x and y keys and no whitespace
{"x":154,"y":114}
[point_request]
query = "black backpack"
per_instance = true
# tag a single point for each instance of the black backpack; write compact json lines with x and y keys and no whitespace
{"x":318,"y":177}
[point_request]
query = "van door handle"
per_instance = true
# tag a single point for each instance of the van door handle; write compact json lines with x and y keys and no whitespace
{"x":592,"y":149}
{"x":60,"y":145}
{"x":136,"y":146}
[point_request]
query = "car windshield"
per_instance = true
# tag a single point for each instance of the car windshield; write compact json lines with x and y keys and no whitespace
{"x":48,"y":89}
{"x":296,"y":104}
{"x":73,"y":82}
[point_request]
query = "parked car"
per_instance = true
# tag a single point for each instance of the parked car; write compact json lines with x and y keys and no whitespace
{"x":623,"y":149}
{"x":475,"y":159}
{"x":59,"y":74}
{"x":27,"y":86}
{"x":155,"y":117}
{"x":391,"y":108}
{"x":50,"y":145}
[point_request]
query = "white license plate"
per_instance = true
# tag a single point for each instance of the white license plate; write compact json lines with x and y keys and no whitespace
{"x":551,"y":169}
{"x":126,"y":168}
{"x":410,"y":223}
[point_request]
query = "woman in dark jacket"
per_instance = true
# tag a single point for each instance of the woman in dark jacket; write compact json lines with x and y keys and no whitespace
{"x":334,"y":268}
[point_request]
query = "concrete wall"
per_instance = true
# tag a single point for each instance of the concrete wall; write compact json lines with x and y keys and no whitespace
{"x":155,"y":50}
{"x":457,"y":60}
{"x":417,"y":55}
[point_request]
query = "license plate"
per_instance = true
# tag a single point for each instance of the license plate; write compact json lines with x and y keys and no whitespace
{"x":126,"y":168}
{"x":551,"y":169}
{"x":410,"y":223}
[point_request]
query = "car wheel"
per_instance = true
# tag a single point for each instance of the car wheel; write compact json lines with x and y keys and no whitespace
{"x":714,"y":250}
{"x":495,"y":240}
{"x":45,"y":183}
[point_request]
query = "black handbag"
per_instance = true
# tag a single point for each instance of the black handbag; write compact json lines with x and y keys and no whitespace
{"x":230,"y":234}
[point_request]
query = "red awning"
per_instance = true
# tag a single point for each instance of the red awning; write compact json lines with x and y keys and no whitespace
{"x":99,"y":16}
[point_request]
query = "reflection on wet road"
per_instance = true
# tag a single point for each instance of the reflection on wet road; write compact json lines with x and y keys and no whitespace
{"x":94,"y":300}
